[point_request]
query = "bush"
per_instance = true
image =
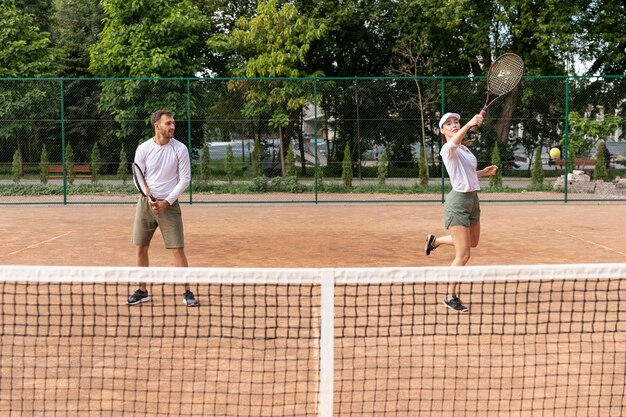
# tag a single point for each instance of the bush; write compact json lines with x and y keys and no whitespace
{"x":537,"y":178}
{"x":15,"y":167}
{"x":44,"y":165}
{"x":383,"y":167}
{"x":122,"y":168}
{"x":346,"y":172}
{"x":599,"y":171}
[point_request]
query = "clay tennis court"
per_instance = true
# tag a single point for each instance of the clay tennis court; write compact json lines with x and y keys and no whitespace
{"x":234,"y":355}
{"x":326,"y":235}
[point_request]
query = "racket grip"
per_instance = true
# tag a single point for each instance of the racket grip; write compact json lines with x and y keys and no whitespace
{"x":483,"y":112}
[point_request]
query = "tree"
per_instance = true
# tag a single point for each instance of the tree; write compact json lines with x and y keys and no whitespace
{"x":122,"y":168}
{"x":537,"y":177}
{"x":44,"y":165}
{"x":423,"y":166}
{"x":383,"y":167}
{"x":600,"y":172}
{"x":495,"y":181}
{"x":25,"y":52}
{"x":571,"y":157}
{"x":147,"y":40}
{"x":586,"y":131}
{"x":69,"y":163}
{"x":602,"y":42}
{"x":229,"y":164}
{"x":205,"y":161}
{"x":275,"y":43}
{"x":96,"y":163}
{"x":16,"y":166}
{"x":346,"y":173}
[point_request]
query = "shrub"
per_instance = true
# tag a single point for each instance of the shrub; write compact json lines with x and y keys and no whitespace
{"x":346,"y":173}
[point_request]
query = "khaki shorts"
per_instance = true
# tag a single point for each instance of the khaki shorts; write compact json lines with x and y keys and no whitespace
{"x":461,"y":209}
{"x":147,"y":221}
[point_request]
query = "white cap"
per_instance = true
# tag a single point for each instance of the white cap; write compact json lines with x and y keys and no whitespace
{"x":446,"y":117}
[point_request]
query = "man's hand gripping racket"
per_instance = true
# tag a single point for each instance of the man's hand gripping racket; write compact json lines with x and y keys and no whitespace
{"x":141,"y":183}
{"x":504,"y":75}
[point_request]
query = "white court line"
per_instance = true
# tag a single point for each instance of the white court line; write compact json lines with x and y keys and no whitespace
{"x":36,"y":244}
{"x":590,"y":242}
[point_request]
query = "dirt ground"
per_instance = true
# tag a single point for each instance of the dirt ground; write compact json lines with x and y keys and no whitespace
{"x":255,"y":351}
{"x":329,"y":235}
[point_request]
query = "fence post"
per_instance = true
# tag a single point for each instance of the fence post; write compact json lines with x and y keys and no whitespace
{"x":316,"y":168}
{"x":62,"y":104}
{"x":566,"y":146}
{"x":441,"y":167}
{"x":189,"y":140}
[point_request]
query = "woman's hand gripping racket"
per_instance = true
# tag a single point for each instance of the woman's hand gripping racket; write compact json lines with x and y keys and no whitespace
{"x":504,"y":75}
{"x":141,"y":183}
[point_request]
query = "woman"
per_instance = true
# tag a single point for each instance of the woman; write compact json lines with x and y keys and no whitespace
{"x":462,"y":209}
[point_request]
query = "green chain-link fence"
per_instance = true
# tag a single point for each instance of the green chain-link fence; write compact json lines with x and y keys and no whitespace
{"x":72,"y":140}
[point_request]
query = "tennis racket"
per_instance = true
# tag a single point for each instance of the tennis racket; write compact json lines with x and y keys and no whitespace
{"x":140,"y":182}
{"x":503,"y":76}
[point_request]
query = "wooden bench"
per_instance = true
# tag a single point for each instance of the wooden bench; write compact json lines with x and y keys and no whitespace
{"x":582,"y":164}
{"x":78,"y":171}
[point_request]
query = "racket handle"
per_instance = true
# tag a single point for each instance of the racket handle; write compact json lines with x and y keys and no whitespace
{"x":483,"y":112}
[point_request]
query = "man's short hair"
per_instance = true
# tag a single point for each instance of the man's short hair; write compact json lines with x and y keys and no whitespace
{"x":156,"y":116}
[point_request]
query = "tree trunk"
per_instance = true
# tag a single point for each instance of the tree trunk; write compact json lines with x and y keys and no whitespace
{"x":301,"y":141}
{"x":281,"y":147}
{"x":20,"y":148}
{"x":502,"y":126}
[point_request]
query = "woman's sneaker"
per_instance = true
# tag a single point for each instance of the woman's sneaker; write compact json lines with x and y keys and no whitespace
{"x":454,"y":303}
{"x":138,"y":297}
{"x":430,"y":244}
{"x":189,"y":300}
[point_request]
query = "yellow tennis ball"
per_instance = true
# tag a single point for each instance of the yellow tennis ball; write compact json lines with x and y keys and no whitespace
{"x":555,"y":153}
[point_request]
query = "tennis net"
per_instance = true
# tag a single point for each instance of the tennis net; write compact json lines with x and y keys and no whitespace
{"x":540,"y":340}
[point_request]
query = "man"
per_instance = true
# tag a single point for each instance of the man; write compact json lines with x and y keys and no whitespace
{"x":165,"y":163}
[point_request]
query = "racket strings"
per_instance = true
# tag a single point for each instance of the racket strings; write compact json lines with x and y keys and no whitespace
{"x":505,"y":74}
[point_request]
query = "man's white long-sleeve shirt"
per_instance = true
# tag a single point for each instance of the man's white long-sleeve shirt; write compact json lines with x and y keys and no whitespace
{"x":166,"y":167}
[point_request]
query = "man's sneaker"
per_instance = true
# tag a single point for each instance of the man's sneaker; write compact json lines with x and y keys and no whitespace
{"x":430,"y":244}
{"x":189,"y":300}
{"x":138,"y":297}
{"x":453,"y":303}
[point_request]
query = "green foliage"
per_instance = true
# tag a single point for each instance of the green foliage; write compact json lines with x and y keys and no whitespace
{"x":25,"y":48}
{"x":149,"y":39}
{"x":16,"y":166}
{"x":383,"y":167}
{"x":572,"y":156}
{"x":77,"y":24}
{"x":600,"y":171}
{"x":96,"y":163}
{"x":346,"y":172}
{"x":290,"y":168}
{"x":44,"y":165}
{"x":122,"y":168}
{"x":276,"y":41}
{"x":495,"y":181}
{"x":69,"y":163}
{"x":205,"y":162}
{"x":423,"y":166}
{"x":537,"y":176}
{"x":229,"y":164}
{"x":585,"y":132}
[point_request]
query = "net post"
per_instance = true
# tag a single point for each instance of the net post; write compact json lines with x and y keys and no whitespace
{"x":327,"y":318}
